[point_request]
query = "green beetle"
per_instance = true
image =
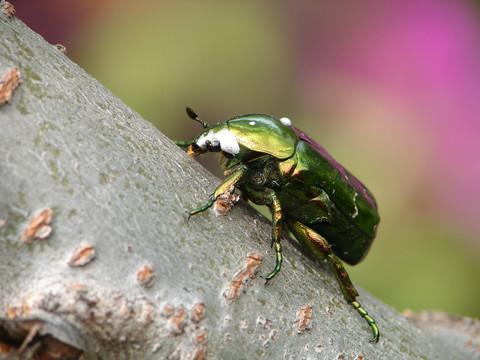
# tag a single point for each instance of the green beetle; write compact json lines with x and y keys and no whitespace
{"x":324,"y":206}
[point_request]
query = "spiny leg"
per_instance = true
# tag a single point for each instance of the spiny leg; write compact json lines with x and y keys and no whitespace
{"x":371,"y":321}
{"x":183,"y":143}
{"x":322,"y":250}
{"x":351,"y":293}
{"x":278,"y":265}
{"x":269,"y":197}
{"x":276,"y":233}
{"x":229,"y":182}
{"x":201,"y":208}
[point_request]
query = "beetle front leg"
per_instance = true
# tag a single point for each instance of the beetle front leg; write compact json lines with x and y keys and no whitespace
{"x":230,"y":181}
{"x":323,"y":251}
{"x":183,"y":143}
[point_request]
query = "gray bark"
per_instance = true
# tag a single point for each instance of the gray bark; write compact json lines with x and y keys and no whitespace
{"x":115,"y":182}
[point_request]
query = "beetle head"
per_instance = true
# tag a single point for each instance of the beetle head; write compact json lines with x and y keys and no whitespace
{"x":215,"y":138}
{"x":242,"y":136}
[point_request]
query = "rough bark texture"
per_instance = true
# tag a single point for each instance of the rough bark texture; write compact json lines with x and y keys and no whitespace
{"x":155,"y":286}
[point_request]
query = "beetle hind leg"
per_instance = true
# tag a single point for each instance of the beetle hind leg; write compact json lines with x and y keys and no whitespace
{"x":371,"y":321}
{"x":351,"y":293}
{"x":323,"y":251}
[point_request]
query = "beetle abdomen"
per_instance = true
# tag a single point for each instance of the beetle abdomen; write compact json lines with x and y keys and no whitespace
{"x":345,"y":213}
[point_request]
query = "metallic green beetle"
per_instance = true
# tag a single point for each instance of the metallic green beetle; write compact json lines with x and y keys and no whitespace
{"x":325,"y":207}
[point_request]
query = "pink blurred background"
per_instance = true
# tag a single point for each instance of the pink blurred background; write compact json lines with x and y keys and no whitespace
{"x":390,"y":89}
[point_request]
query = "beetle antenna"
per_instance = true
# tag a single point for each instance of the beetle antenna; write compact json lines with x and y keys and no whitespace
{"x":193,"y":115}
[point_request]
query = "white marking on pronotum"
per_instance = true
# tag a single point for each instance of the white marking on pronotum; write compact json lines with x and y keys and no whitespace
{"x":227,"y":140}
{"x":252,"y":123}
{"x":286,"y":121}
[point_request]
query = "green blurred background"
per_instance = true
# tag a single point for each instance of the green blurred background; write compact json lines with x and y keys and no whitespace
{"x":390,"y":90}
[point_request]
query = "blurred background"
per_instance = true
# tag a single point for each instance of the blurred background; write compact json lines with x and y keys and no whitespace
{"x":390,"y":90}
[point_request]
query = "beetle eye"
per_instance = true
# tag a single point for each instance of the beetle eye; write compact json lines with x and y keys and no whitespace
{"x":215,"y":145}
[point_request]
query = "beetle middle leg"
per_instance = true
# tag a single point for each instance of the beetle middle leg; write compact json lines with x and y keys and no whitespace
{"x":269,"y":198}
{"x":323,"y":251}
{"x":276,"y":233}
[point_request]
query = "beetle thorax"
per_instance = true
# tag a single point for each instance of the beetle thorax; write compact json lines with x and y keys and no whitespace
{"x":265,"y":173}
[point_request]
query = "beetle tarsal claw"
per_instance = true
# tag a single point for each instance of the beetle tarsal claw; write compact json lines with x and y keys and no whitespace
{"x":266,"y":279}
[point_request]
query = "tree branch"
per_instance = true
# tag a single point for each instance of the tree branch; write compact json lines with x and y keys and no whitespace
{"x":121,"y":273}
